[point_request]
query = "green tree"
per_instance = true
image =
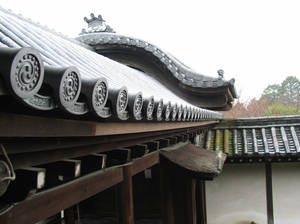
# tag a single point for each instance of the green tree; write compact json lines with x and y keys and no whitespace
{"x":272,"y":93}
{"x":287,"y":93}
{"x":281,"y":110}
{"x":290,"y":91}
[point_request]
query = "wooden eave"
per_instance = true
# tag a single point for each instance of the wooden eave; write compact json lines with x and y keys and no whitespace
{"x":204,"y":164}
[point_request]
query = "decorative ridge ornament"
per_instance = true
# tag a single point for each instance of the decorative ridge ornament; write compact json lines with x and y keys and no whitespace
{"x":221,"y":73}
{"x":96,"y":25}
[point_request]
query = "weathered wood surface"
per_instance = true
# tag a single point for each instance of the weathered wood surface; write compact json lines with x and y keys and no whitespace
{"x":196,"y":160}
{"x":201,"y":202}
{"x":167,"y":209}
{"x":126,"y":211}
{"x":50,"y":202}
{"x":191,"y":201}
{"x":145,"y":162}
{"x":41,"y":157}
{"x":54,"y":200}
{"x":37,"y":144}
{"x":14,"y":125}
{"x":178,"y":196}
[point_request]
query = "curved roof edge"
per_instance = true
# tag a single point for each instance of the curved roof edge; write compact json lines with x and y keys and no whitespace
{"x":111,"y":44}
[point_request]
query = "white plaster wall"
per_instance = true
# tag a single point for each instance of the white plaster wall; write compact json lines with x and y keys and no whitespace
{"x":286,"y":192}
{"x":238,"y":196}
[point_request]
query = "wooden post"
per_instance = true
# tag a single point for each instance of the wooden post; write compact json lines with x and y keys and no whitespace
{"x":201,"y":202}
{"x":191,"y":201}
{"x":184,"y":198}
{"x":166,"y":194}
{"x":70,"y":215}
{"x":178,"y":193}
{"x":269,"y":193}
{"x":126,"y":211}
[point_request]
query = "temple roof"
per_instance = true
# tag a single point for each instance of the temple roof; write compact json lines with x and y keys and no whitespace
{"x":178,"y":77}
{"x":58,"y":72}
{"x":257,"y":139}
{"x":71,"y":76}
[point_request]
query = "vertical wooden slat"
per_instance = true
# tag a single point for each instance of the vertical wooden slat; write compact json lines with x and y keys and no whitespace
{"x":254,"y":141}
{"x":269,"y":193}
{"x":285,"y":140}
{"x":245,"y":141}
{"x":201,"y":202}
{"x":235,"y":146}
{"x":126,"y":211}
{"x":295,"y":139}
{"x":275,"y":141}
{"x":266,"y":146}
{"x":166,"y":194}
{"x":70,"y":215}
{"x":184,"y":203}
{"x":191,"y":201}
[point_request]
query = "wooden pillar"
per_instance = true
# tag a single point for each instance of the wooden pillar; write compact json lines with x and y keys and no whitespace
{"x":269,"y":193}
{"x":201,"y":202}
{"x":166,"y":194}
{"x":191,"y":201}
{"x":178,"y":193}
{"x":126,"y":211}
{"x":184,"y":199}
{"x":70,"y":215}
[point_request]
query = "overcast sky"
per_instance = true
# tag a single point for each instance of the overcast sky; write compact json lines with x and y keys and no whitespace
{"x":256,"y":42}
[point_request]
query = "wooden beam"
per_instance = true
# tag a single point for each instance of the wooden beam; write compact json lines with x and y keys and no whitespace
{"x":36,"y":144}
{"x":153,"y":146}
{"x":52,"y":201}
{"x":92,"y":162}
{"x":42,"y":157}
{"x":14,"y":125}
{"x":163,"y":143}
{"x":118,"y":157}
{"x":138,"y":150}
{"x":145,"y":162}
{"x":28,"y":181}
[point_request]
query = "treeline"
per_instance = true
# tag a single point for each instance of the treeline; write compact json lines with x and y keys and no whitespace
{"x":276,"y":100}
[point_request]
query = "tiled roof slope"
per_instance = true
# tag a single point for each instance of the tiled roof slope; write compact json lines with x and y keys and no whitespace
{"x":264,"y":137}
{"x":162,"y":66}
{"x":53,"y":72}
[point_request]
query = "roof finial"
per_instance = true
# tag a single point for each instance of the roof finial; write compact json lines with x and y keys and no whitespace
{"x":96,"y":24}
{"x":221,"y":73}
